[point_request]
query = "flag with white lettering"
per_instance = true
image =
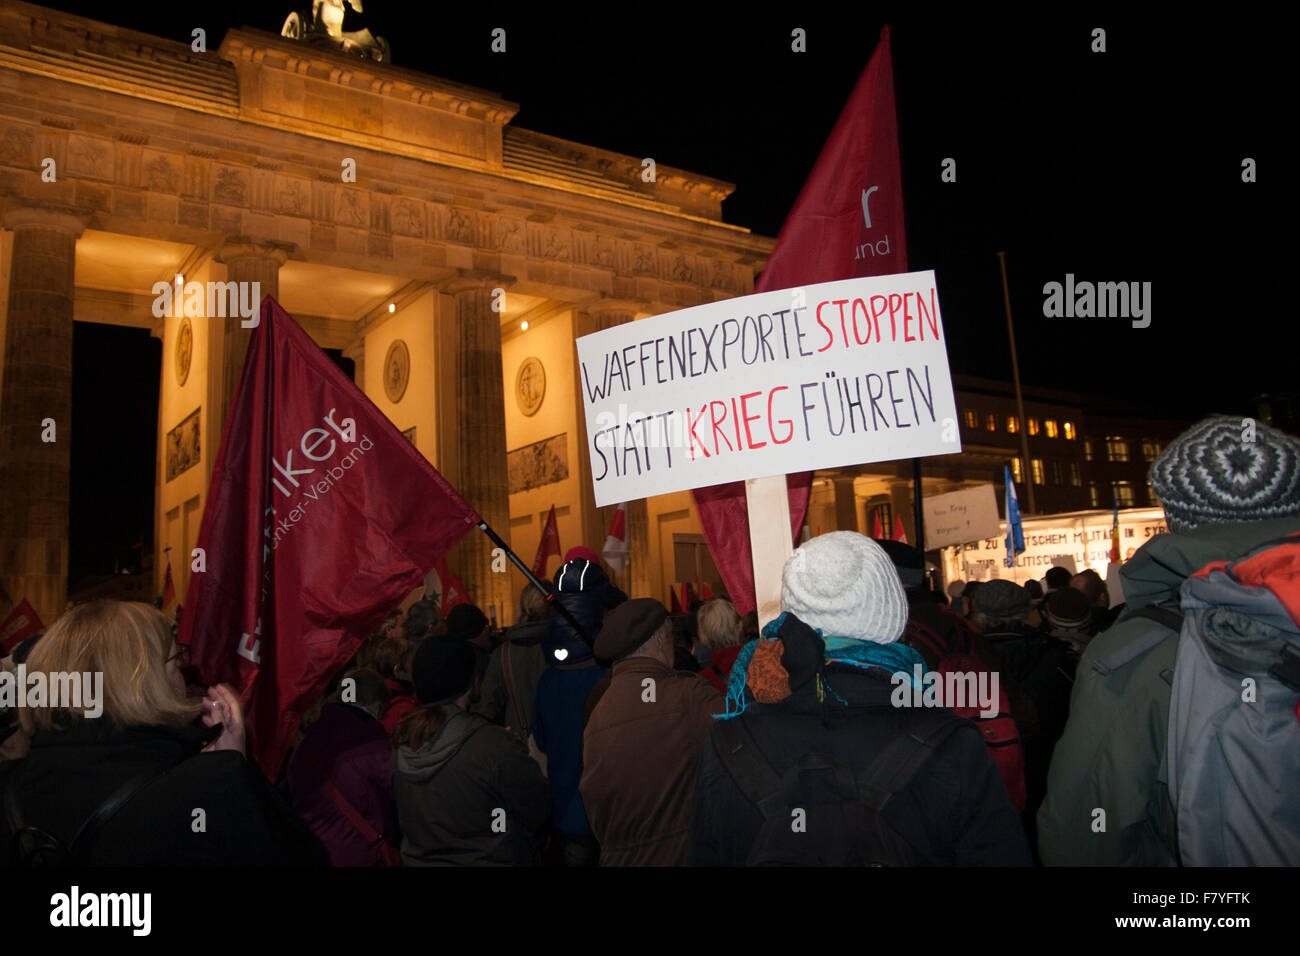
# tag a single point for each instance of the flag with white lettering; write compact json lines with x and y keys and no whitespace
{"x":321,"y":517}
{"x":847,"y":222}
{"x":22,"y":623}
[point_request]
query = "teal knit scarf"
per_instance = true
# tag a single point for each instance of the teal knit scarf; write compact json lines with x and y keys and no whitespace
{"x":894,"y":658}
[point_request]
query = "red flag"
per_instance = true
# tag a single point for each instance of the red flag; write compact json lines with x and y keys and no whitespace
{"x":1114,"y":535}
{"x":22,"y":623}
{"x":706,"y":592}
{"x":549,"y":545}
{"x":676,"y":607}
{"x":847,"y":222}
{"x":443,"y":586}
{"x":876,"y":531}
{"x":899,"y":533}
{"x":320,"y":518}
{"x":615,"y":550}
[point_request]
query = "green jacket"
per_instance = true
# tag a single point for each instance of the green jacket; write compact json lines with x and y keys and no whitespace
{"x":1110,"y":754}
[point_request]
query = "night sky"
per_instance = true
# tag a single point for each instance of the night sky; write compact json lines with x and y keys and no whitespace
{"x":1116,"y":166}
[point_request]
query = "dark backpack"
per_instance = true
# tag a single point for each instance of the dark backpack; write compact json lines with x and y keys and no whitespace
{"x":999,"y":731}
{"x":821,"y":813}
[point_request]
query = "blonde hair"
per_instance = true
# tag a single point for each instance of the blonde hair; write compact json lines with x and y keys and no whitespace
{"x":718,"y":624}
{"x":128,"y":642}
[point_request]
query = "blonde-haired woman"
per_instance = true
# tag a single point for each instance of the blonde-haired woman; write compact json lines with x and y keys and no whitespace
{"x":132,"y":771}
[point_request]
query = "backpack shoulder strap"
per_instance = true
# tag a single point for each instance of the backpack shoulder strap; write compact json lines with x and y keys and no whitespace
{"x":748,"y":766}
{"x":899,"y":761}
{"x":1169,"y":619}
{"x":78,"y":849}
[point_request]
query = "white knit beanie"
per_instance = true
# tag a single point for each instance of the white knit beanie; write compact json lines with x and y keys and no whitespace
{"x":843,"y":584}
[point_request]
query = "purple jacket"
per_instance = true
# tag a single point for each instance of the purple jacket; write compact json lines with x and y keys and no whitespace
{"x":353,"y":749}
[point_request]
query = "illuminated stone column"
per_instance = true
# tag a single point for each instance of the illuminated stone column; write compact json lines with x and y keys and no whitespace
{"x":36,"y":406}
{"x":478,"y":423}
{"x":606,"y":314}
{"x":247,"y":261}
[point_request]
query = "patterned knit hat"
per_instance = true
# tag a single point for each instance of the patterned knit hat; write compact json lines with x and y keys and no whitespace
{"x":844,"y":584}
{"x":1209,"y":475}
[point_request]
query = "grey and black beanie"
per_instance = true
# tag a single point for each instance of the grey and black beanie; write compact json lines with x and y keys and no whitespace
{"x":1211,"y":475}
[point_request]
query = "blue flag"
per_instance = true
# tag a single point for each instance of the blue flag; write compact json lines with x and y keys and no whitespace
{"x":1015,"y":531}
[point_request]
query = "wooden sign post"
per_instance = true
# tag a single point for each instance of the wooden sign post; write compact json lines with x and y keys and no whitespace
{"x":768,"y":501}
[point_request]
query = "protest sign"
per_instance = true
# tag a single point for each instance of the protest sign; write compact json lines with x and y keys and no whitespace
{"x":818,"y":376}
{"x":961,"y":516}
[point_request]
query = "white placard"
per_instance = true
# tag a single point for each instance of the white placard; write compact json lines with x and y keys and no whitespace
{"x":820,"y":376}
{"x":961,"y":516}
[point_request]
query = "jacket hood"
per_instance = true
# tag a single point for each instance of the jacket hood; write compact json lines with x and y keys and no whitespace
{"x":1159,"y":568}
{"x":579,"y":575}
{"x":421,"y":765}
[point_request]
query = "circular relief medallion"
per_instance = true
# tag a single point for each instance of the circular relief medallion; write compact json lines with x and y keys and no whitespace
{"x":397,"y":370}
{"x":184,"y":351}
{"x":530,"y":385}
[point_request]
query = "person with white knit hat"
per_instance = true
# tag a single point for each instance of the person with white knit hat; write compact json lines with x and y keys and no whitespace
{"x":1228,"y":485}
{"x":813,"y":703}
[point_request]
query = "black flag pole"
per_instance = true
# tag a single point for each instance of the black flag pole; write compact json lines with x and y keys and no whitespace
{"x":527,"y":572}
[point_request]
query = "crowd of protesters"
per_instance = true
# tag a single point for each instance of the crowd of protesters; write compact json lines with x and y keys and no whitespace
{"x":640,"y":737}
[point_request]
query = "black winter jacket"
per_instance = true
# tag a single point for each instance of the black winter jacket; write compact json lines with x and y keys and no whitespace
{"x":955,"y":811}
{"x":585,"y":592}
{"x":69,"y":773}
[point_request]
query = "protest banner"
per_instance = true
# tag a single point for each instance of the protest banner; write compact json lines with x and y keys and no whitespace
{"x":820,"y":376}
{"x":961,"y":516}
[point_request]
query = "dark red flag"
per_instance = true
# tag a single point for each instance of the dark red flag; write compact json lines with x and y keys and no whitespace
{"x":847,"y":222}
{"x":22,"y":623}
{"x":320,"y":518}
{"x":676,"y":607}
{"x":442,"y":585}
{"x":549,"y":545}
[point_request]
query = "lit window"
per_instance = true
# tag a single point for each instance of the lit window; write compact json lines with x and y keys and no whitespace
{"x":1015,"y":469}
{"x":991,"y":423}
{"x":1116,"y":448}
{"x":1036,"y":466}
{"x":1150,"y":449}
{"x":1087,"y":449}
{"x":1053,"y":471}
{"x":1094,"y":495}
{"x":1013,"y":424}
{"x":1151,"y":495}
{"x":1076,"y":475}
{"x":1033,"y":426}
{"x":972,"y":418}
{"x":1124,"y":494}
{"x":1049,"y":426}
{"x":1068,"y":429}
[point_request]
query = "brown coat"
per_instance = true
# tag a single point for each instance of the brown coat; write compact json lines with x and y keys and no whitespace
{"x":639,"y":763}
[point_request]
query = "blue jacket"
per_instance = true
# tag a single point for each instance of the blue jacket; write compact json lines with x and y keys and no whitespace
{"x":557,"y":731}
{"x":585,"y":592}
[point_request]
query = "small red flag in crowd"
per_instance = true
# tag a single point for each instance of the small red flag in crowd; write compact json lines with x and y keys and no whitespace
{"x":706,"y":592}
{"x":676,"y":607}
{"x":615,"y":550}
{"x":899,"y":533}
{"x":21,"y":624}
{"x":876,"y":531}
{"x":549,"y":545}
{"x":442,"y":585}
{"x":320,"y":519}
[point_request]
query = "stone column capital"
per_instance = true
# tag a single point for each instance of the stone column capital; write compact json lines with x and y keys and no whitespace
{"x":605,"y":305}
{"x":21,"y":212}
{"x":246,"y":247}
{"x":467,"y":280}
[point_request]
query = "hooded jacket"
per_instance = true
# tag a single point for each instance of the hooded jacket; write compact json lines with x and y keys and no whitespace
{"x":954,"y":812}
{"x":1109,"y":755}
{"x":471,"y":796}
{"x":584,"y":591}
